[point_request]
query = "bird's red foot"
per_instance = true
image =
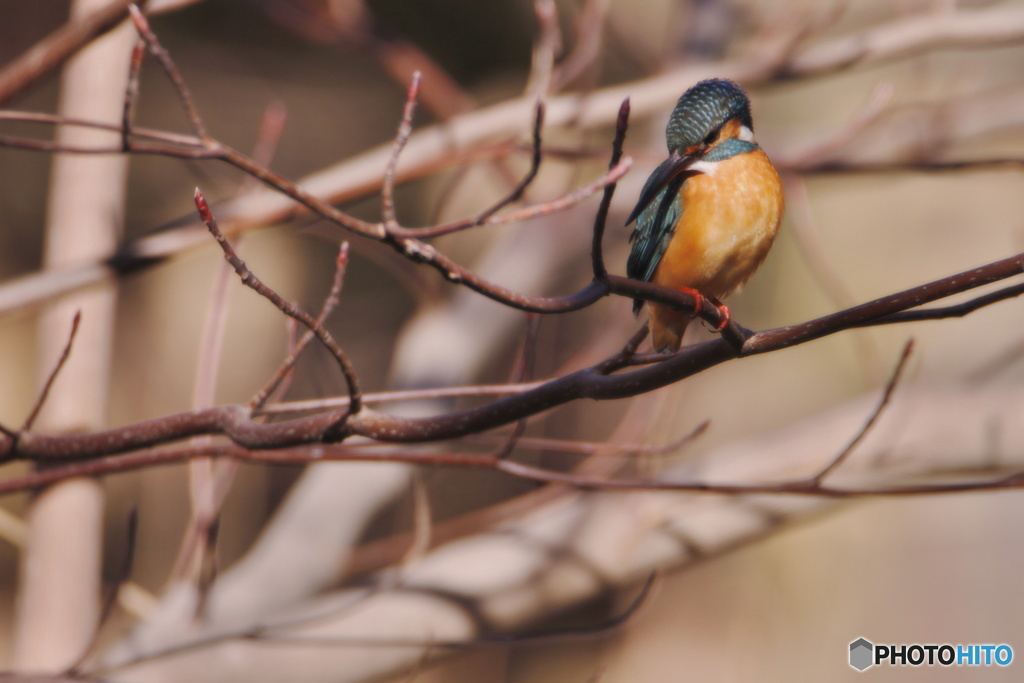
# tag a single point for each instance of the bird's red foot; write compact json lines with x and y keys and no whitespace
{"x":723,"y":311}
{"x":698,"y":298}
{"x":698,"y":303}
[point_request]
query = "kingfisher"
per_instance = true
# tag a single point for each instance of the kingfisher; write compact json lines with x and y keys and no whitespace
{"x":708,"y":215}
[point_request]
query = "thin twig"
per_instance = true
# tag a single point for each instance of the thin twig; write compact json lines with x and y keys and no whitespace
{"x":131,"y":93}
{"x":401,"y":138}
{"x":169,"y":67}
{"x":591,"y":447}
{"x":34,"y":413}
{"x":627,"y":353}
{"x":886,"y":396}
{"x":522,"y":371}
{"x":535,"y":159}
{"x":250,"y":280}
{"x":330,"y":303}
{"x":596,"y":249}
{"x":272,"y":125}
{"x":545,"y":208}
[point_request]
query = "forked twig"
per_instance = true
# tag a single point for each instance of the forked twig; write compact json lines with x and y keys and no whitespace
{"x":330,"y":303}
{"x":169,"y":67}
{"x":545,"y":208}
{"x":250,"y":280}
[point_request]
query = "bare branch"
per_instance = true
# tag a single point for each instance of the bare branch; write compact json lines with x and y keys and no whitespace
{"x":299,"y":455}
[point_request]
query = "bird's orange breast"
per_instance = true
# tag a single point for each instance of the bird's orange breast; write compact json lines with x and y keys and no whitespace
{"x":731,"y":214}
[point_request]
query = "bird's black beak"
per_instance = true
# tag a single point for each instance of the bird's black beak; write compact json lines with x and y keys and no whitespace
{"x":670,"y":168}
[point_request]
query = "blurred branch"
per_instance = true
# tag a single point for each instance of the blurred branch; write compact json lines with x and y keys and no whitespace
{"x":614,"y":540}
{"x":941,"y":27}
{"x":57,"y":47}
{"x":57,"y":611}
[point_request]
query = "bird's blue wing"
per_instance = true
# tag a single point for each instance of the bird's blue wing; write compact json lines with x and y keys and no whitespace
{"x":654,"y":229}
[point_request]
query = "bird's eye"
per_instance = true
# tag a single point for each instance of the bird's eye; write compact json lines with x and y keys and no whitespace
{"x":710,"y":138}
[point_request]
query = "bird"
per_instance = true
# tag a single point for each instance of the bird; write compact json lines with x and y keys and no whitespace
{"x":708,"y":215}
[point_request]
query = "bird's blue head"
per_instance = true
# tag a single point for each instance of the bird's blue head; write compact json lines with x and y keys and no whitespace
{"x":703,"y":111}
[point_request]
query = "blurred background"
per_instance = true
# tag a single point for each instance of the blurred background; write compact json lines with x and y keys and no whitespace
{"x":868,"y":213}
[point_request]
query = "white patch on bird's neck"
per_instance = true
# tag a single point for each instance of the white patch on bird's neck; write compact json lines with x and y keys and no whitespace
{"x":706,"y":167}
{"x":745,"y":134}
